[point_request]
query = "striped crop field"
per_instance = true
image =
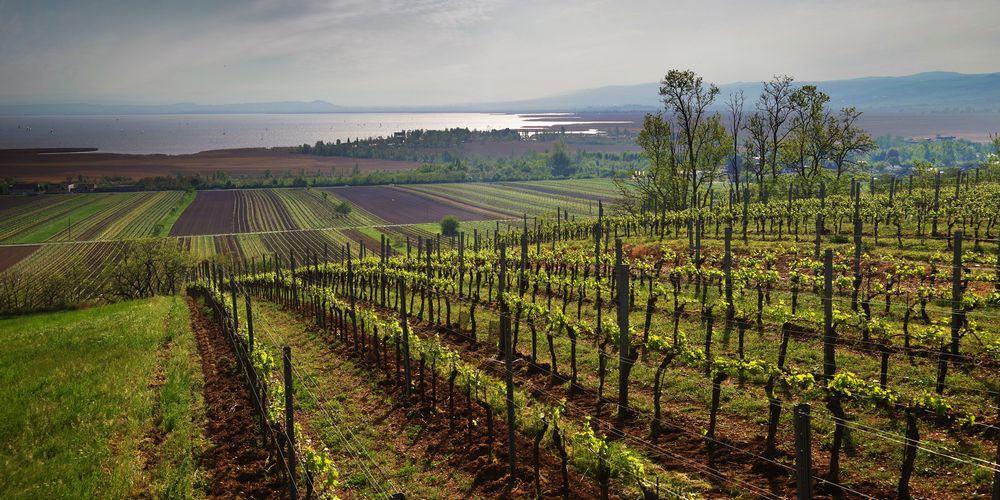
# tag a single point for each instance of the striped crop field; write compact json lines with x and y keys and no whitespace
{"x":261,"y":210}
{"x":61,"y":219}
{"x":316,"y":209}
{"x":587,"y":189}
{"x":508,"y":199}
{"x":86,"y":217}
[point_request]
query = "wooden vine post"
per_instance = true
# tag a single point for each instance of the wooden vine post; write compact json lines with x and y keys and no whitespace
{"x":598,"y":300}
{"x":937,"y":195}
{"x":232,"y":290}
{"x":508,"y":355}
{"x":803,"y":453}
{"x":957,"y":314}
{"x":819,"y":217}
{"x":407,"y":375}
{"x":829,"y":334}
{"x":249,"y":325}
{"x":624,"y":348}
{"x":430,"y":278}
{"x":727,"y":267}
{"x":293,"y":492}
{"x":857,"y":248}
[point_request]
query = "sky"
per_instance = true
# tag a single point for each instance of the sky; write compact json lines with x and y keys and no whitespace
{"x":433,"y":52}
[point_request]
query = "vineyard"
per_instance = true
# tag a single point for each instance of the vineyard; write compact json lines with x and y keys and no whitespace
{"x":770,"y":349}
{"x":842,"y":345}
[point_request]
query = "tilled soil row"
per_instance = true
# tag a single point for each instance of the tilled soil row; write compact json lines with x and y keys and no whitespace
{"x":731,"y":463}
{"x":238,"y":465}
{"x":446,"y":433}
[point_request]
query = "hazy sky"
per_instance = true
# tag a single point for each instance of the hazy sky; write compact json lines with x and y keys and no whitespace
{"x":425,"y":52}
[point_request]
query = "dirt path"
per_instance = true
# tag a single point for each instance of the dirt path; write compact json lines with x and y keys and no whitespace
{"x":237,"y":464}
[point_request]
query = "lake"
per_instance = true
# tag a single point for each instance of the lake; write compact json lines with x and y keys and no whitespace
{"x":180,"y":134}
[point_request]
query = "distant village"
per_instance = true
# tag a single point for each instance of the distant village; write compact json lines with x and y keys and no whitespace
{"x":37,"y":188}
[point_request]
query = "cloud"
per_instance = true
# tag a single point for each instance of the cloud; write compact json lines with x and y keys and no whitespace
{"x":445,"y":51}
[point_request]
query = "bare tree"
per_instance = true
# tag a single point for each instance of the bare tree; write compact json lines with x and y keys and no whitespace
{"x":756,"y":149}
{"x":775,"y":104}
{"x":735,"y":107}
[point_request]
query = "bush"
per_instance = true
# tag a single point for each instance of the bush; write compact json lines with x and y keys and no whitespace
{"x":449,"y":225}
{"x":342,"y":209}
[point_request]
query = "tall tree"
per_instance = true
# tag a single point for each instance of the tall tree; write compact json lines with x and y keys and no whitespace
{"x":661,"y":184}
{"x":756,"y":149}
{"x":851,"y":139}
{"x":775,"y":104}
{"x":686,"y":95}
{"x":814,"y":134}
{"x":735,"y":108}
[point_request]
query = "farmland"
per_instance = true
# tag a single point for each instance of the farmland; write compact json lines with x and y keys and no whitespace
{"x":719,"y":356}
{"x":28,"y":166}
{"x":403,"y":206}
{"x":716,"y":399}
{"x":87,"y":217}
{"x":252,"y":223}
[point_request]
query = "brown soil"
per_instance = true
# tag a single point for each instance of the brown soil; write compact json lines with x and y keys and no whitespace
{"x":237,"y":464}
{"x":10,"y":201}
{"x":440,"y":436}
{"x":29,"y":166}
{"x":211,"y":212}
{"x":10,"y":255}
{"x":401,"y":206}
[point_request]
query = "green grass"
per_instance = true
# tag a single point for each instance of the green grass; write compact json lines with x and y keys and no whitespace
{"x":175,"y":213}
{"x":82,"y":402}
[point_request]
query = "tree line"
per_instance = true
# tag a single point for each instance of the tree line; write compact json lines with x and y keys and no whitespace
{"x":788,"y":129}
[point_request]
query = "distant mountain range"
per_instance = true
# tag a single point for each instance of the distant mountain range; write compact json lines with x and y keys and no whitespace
{"x":183,"y":108}
{"x":921,"y":93}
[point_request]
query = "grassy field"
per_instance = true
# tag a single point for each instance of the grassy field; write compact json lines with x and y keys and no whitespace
{"x":102,"y":402}
{"x":163,"y":229}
